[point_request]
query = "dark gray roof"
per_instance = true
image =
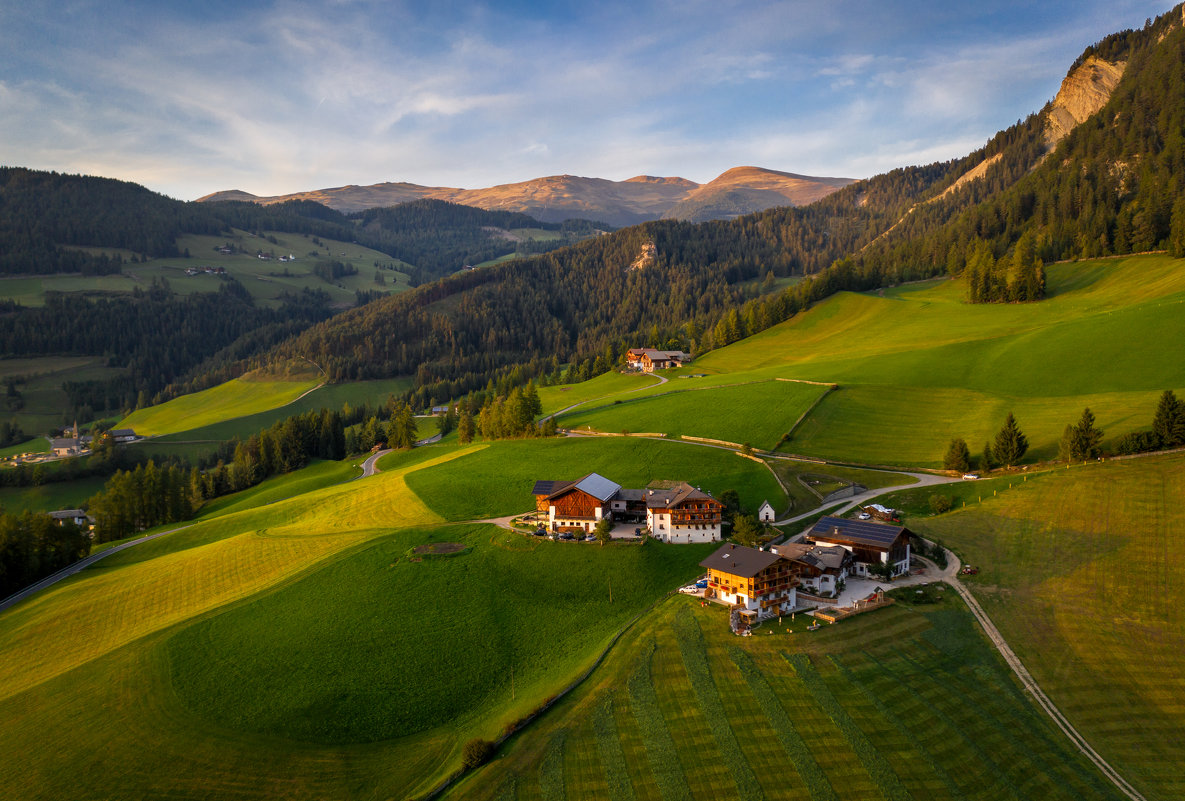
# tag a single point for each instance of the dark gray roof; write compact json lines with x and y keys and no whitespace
{"x":739,"y":560}
{"x":122,"y":432}
{"x":857,"y":532}
{"x":631,"y":494}
{"x":66,"y":514}
{"x":548,"y":487}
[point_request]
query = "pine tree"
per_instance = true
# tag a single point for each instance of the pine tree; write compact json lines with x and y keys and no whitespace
{"x":1165,"y":425}
{"x":985,"y":458}
{"x":1088,"y":438}
{"x":1011,"y":443}
{"x":958,"y":456}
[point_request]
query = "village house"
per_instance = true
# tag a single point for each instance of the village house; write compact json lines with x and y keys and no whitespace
{"x":870,"y":543}
{"x":76,"y":516}
{"x":123,"y":435}
{"x":683,"y":514}
{"x":648,"y":359}
{"x":820,"y":568}
{"x":761,"y":584}
{"x":678,"y":514}
{"x":72,"y":445}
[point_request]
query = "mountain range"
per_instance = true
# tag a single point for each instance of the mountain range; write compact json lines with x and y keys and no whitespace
{"x":555,"y":198}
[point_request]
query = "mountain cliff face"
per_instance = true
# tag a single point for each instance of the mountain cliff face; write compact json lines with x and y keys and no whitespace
{"x":556,"y":198}
{"x":1084,"y":91}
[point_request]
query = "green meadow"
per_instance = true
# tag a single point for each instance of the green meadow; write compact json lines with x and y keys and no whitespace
{"x":1083,"y":571}
{"x":908,"y":702}
{"x":289,"y":628}
{"x":758,"y":413}
{"x":559,"y":397}
{"x":238,"y":397}
{"x":40,"y":387}
{"x":266,"y":280}
{"x":498,"y":476}
{"x":916,"y":366}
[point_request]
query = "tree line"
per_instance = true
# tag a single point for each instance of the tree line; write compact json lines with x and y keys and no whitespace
{"x":34,"y":545}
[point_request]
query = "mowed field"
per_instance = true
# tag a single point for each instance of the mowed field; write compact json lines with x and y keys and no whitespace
{"x":905,"y":703}
{"x":290,"y":647}
{"x":1083,"y":570}
{"x":758,"y":413}
{"x":238,"y":397}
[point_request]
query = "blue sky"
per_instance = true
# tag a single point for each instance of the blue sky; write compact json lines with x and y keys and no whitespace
{"x":190,"y":98}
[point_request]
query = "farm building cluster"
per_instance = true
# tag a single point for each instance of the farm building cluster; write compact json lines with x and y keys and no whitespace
{"x":761,"y":584}
{"x":673,"y":512}
{"x":77,"y":445}
{"x":647,"y":360}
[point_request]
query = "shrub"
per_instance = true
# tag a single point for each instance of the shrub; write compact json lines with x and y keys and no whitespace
{"x":940,"y":503}
{"x":476,"y":752}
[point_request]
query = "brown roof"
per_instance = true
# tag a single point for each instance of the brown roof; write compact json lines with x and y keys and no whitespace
{"x":672,"y":498}
{"x":738,"y":560}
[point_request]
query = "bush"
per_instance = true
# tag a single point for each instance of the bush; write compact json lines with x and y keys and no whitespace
{"x":476,"y":752}
{"x":940,"y":503}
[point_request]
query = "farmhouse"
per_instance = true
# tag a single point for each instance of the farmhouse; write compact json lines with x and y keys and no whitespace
{"x":762,"y":584}
{"x":123,"y":435}
{"x":648,"y":359}
{"x":869,"y":543}
{"x":683,"y":514}
{"x":677,"y":514}
{"x":75,"y":516}
{"x":819,"y":568}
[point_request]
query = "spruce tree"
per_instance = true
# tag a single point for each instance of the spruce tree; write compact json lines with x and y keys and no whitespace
{"x":1088,"y":438}
{"x":1010,"y":444}
{"x":985,"y":458}
{"x":1165,"y":425}
{"x":958,"y":456}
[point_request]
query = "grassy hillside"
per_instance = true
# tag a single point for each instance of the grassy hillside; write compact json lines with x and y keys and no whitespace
{"x":916,"y":366}
{"x":296,"y":635}
{"x":757,"y":413}
{"x":266,"y":280}
{"x":1082,"y":570}
{"x":39,"y":382}
{"x":236,"y":398}
{"x":908,"y":702}
{"x":498,"y":477}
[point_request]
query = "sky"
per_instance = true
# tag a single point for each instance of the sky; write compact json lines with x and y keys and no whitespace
{"x":190,"y":98}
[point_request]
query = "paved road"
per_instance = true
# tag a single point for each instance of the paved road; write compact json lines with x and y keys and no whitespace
{"x":923,"y":480}
{"x":369,"y":468}
{"x":81,"y":564}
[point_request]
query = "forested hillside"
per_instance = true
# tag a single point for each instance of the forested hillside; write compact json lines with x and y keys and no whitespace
{"x":1110,"y":187}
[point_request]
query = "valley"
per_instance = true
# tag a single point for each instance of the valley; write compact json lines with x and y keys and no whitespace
{"x":774,"y":487}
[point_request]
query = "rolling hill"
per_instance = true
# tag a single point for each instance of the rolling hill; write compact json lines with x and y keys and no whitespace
{"x":555,"y":198}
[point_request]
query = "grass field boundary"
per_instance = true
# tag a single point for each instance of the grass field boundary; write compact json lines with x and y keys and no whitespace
{"x":830,"y":388}
{"x":1030,"y":684}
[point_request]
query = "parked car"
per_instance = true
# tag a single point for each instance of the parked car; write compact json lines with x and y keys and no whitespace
{"x":864,"y":516}
{"x":702,"y":584}
{"x":566,"y":535}
{"x":590,"y":537}
{"x":690,"y":589}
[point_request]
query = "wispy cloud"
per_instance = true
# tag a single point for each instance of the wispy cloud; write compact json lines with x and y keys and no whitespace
{"x":290,"y":95}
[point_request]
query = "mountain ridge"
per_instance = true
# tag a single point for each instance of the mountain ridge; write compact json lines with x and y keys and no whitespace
{"x":555,"y":198}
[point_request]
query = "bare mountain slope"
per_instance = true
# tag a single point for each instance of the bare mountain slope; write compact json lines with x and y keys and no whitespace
{"x":743,"y":190}
{"x":559,"y":197}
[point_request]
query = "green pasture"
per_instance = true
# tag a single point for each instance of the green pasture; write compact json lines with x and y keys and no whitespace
{"x":238,"y":397}
{"x":315,"y":476}
{"x":1083,"y":571}
{"x":792,"y":472}
{"x":204,"y":439}
{"x":757,"y":413}
{"x":365,"y":671}
{"x":50,"y":497}
{"x":917,"y":365}
{"x":40,"y":386}
{"x":562,"y":396}
{"x":908,"y":702}
{"x":498,"y":477}
{"x":34,"y":445}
